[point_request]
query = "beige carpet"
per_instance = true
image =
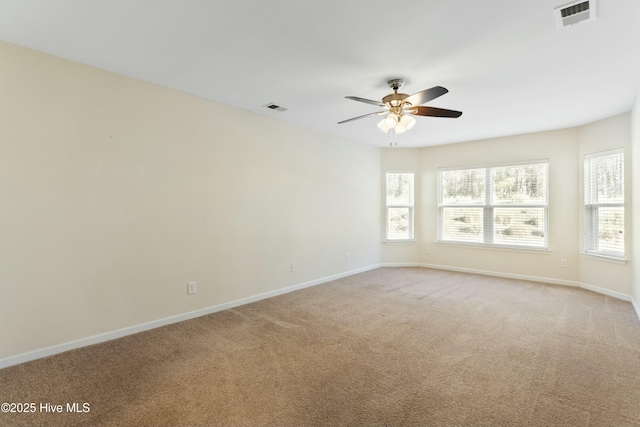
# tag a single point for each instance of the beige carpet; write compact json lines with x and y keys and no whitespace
{"x":389,"y":347}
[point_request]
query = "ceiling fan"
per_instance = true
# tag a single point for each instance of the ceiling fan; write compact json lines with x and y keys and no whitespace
{"x":399,"y":107}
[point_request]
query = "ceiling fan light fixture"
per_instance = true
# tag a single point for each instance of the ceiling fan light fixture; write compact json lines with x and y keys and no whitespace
{"x":399,"y":108}
{"x":407,"y":121}
{"x":383,"y":127}
{"x":391,"y":121}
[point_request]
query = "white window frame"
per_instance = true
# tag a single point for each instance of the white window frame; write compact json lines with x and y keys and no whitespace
{"x":591,"y":208}
{"x":488,"y":207}
{"x":410,"y":207}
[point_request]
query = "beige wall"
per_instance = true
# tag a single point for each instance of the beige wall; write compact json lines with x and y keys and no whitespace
{"x":400,"y":159}
{"x":603,"y":135}
{"x":635,"y":205}
{"x":565,"y":150}
{"x":560,"y":148}
{"x":115,"y":193}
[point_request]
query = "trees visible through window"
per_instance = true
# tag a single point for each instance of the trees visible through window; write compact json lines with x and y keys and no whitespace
{"x":505,"y":205}
{"x":604,"y":203}
{"x":399,"y":201}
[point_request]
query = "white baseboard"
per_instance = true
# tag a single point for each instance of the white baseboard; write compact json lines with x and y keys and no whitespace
{"x":636,"y":307}
{"x":486,"y":273}
{"x":550,"y":280}
{"x":96,"y":339}
{"x":608,"y":292}
{"x":401,"y":264}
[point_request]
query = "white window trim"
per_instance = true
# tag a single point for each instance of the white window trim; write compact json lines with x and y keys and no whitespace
{"x":488,"y":205}
{"x":507,"y":248}
{"x":589,"y":220}
{"x":607,"y":258}
{"x":411,"y":208}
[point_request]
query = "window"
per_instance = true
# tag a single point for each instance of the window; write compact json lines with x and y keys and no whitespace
{"x":399,"y":205}
{"x":604,"y":203}
{"x":498,"y":206}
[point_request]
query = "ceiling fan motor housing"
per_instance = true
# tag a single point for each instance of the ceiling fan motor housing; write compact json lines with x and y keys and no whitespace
{"x":395,"y":99}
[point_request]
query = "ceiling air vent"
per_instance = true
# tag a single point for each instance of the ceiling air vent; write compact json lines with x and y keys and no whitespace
{"x":275,"y":107}
{"x":574,"y":13}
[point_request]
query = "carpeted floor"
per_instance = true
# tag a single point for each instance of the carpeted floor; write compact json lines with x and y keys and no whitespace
{"x":389,"y":347}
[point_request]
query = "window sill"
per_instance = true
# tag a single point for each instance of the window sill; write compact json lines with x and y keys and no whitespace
{"x":605,"y":258}
{"x":495,"y":247}
{"x":401,"y":242}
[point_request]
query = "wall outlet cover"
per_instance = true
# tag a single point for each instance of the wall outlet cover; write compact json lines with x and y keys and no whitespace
{"x":191,"y":288}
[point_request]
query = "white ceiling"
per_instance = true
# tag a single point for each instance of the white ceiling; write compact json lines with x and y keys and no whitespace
{"x":506,"y":65}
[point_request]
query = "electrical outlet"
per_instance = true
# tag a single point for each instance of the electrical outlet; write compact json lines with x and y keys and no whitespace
{"x":563,"y":263}
{"x":347,"y":257}
{"x":294,"y":267}
{"x":191,"y":288}
{"x":426,"y":250}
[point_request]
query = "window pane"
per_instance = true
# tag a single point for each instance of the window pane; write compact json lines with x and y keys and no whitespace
{"x":464,"y":186}
{"x":398,"y":223}
{"x":519,"y":226}
{"x":503,"y":205}
{"x":604,"y":184}
{"x":399,"y":189}
{"x":462,"y":224}
{"x":520,"y":185}
{"x":399,"y":202}
{"x":611,"y":229}
{"x":610,"y":178}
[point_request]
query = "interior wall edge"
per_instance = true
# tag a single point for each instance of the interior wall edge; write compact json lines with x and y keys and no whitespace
{"x":636,"y":307}
{"x":131,"y":330}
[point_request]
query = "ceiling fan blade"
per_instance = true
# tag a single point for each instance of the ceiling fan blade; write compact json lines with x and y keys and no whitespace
{"x":426,"y":95}
{"x":434,"y":112}
{"x":366,"y":101}
{"x":360,"y":117}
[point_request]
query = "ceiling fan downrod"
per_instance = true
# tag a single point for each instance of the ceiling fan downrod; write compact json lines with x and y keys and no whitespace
{"x":395,"y":84}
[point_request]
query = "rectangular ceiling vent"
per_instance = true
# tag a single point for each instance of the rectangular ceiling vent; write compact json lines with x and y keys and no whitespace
{"x":574,"y":13}
{"x":275,"y":107}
